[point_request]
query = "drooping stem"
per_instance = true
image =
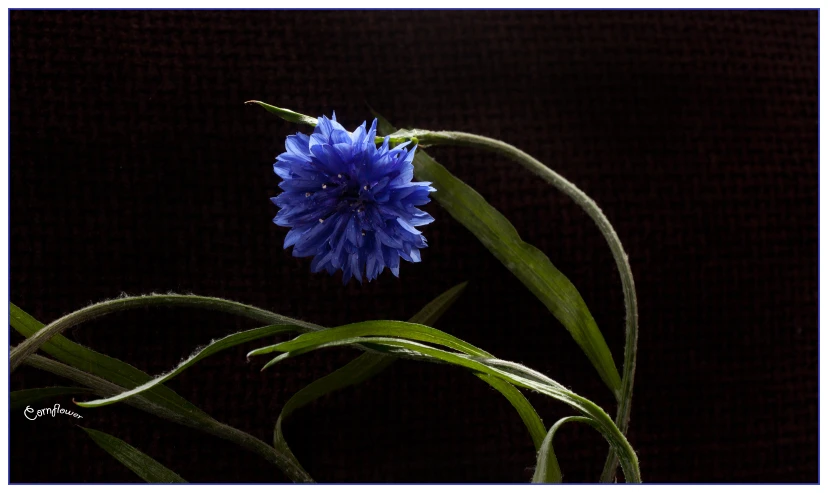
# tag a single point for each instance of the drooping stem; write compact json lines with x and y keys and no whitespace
{"x":105,"y":388}
{"x":426,"y":138}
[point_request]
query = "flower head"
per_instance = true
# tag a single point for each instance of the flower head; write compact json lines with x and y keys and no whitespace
{"x":350,"y":204}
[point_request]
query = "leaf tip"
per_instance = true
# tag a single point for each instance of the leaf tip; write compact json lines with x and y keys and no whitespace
{"x":87,"y":404}
{"x":255,"y":352}
{"x":274,"y":361}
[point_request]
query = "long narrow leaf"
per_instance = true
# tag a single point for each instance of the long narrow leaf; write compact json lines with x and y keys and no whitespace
{"x":369,"y":364}
{"x":138,"y":462}
{"x":548,"y":470}
{"x":605,"y":424}
{"x":111,"y":369}
{"x":42,"y":336}
{"x":209,"y":350}
{"x":104,"y":373}
{"x":526,"y":262}
{"x":360,"y":369}
{"x":408,"y":330}
{"x":22,"y":398}
{"x":201,"y":423}
{"x":522,"y":405}
{"x":286,"y":115}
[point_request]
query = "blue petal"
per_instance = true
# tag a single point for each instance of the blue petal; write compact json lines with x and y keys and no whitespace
{"x":298,"y":145}
{"x":360,"y":242}
{"x":294,"y":235}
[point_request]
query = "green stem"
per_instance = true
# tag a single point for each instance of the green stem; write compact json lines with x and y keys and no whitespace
{"x":32,"y":344}
{"x":622,"y":419}
{"x":105,"y":388}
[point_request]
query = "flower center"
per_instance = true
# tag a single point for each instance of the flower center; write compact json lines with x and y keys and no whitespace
{"x":352,"y":196}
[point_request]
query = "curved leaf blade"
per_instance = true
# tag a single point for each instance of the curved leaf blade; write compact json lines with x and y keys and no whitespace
{"x":151,"y":401}
{"x":408,"y":330}
{"x":112,"y":369}
{"x":548,"y":470}
{"x":521,"y":404}
{"x":209,"y":350}
{"x":605,"y":424}
{"x":526,"y":262}
{"x":369,"y":364}
{"x":138,"y":462}
{"x":285,"y":114}
{"x":358,"y":370}
{"x":435,"y":308}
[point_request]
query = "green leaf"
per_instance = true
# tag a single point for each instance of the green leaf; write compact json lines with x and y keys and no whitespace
{"x":138,"y":462}
{"x":516,"y":375}
{"x":22,"y":398}
{"x":209,"y":350}
{"x":358,"y":370}
{"x":369,"y":364}
{"x":416,"y":332}
{"x":33,"y":343}
{"x":82,"y":358}
{"x":284,"y":114}
{"x":548,"y":470}
{"x":429,"y":314}
{"x":159,"y":401}
{"x":521,"y":404}
{"x":206,"y":424}
{"x":527,"y":263}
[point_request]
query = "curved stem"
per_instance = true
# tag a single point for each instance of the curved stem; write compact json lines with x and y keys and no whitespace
{"x":622,"y":419}
{"x":31,"y":344}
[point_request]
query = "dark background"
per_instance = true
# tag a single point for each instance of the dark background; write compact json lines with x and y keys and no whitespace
{"x":135,"y":168}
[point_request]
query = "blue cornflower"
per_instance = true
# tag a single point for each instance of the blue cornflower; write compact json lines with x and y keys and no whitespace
{"x":350,"y":204}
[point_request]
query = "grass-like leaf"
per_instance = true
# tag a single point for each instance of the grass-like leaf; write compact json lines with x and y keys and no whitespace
{"x":138,"y":462}
{"x":516,"y":375}
{"x":111,"y":369}
{"x":408,"y":330}
{"x":426,"y":138}
{"x":109,"y":376}
{"x":284,"y":114}
{"x":22,"y":398}
{"x":525,"y":410}
{"x":548,"y":470}
{"x":526,"y":262}
{"x":42,"y":336}
{"x":206,"y":424}
{"x":358,"y":370}
{"x":209,"y":350}
{"x":369,"y":364}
